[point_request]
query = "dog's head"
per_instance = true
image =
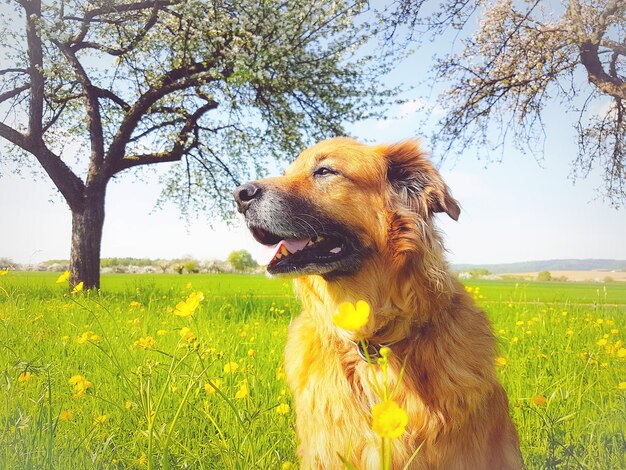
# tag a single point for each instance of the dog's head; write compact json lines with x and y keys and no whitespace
{"x":341,"y":202}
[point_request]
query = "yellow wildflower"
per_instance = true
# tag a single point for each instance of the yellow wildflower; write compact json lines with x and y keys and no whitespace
{"x":78,"y":288}
{"x":251,"y":353}
{"x":80,"y":384}
{"x":134,"y":305}
{"x":63,"y":277}
{"x":622,"y":386}
{"x":539,"y":400}
{"x":599,"y":321}
{"x":601,"y":342}
{"x":100,"y":420}
{"x":352,"y":317}
{"x":145,"y":343}
{"x":621,"y":352}
{"x":569,"y":332}
{"x":514,"y":340}
{"x":519,"y":323}
{"x":501,"y":361}
{"x":614,"y":331}
{"x":187,"y":307}
{"x":142,"y":460}
{"x":231,"y":367}
{"x":66,"y":415}
{"x":280,"y":373}
{"x":128,"y":405}
{"x":161,"y":332}
{"x":88,"y":336}
{"x":211,"y":387}
{"x":4,"y":272}
{"x":189,"y":286}
{"x":24,"y":377}
{"x":388,"y":419}
{"x":282,"y":409}
{"x":188,"y":335}
{"x":244,"y":390}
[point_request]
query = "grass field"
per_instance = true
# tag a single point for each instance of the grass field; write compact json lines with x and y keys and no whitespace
{"x":117,"y":380}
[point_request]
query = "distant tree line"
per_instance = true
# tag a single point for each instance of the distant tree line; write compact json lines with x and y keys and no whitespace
{"x":238,"y":261}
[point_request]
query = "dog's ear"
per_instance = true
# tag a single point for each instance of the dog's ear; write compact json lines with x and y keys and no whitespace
{"x":415,"y":181}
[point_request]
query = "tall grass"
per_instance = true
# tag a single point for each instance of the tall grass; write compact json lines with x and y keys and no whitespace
{"x":181,"y":403}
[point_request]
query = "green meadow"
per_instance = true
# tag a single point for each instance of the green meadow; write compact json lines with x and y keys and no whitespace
{"x":117,"y":380}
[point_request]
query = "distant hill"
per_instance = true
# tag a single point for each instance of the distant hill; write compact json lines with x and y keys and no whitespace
{"x":548,"y":265}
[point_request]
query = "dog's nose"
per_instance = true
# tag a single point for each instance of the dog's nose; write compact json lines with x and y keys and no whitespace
{"x":245,"y":194}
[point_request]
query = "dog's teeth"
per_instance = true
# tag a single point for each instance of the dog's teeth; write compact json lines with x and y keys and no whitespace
{"x":278,"y":256}
{"x":336,"y":250}
{"x":284,"y":251}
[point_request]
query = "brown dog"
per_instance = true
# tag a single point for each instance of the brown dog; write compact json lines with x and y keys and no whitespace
{"x":354,"y":222}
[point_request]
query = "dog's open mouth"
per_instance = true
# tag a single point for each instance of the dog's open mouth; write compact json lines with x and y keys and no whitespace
{"x":288,"y":254}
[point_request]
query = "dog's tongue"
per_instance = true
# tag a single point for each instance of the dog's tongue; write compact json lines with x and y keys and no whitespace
{"x":268,"y":252}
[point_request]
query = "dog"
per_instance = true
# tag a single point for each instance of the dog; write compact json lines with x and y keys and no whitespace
{"x":355,"y":222}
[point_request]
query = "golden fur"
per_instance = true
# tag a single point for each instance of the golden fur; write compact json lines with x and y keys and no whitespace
{"x":458,"y":412}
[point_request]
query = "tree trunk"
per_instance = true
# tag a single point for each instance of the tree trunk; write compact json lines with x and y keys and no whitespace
{"x":87,"y":223}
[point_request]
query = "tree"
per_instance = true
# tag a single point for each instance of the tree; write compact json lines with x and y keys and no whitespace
{"x":523,"y":56}
{"x":544,"y":276}
{"x":222,"y":87}
{"x":241,"y":260}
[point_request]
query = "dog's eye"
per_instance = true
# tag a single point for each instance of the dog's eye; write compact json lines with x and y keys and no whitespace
{"x":324,"y":171}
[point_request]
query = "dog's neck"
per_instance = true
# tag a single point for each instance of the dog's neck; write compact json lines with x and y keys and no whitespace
{"x":401,"y":300}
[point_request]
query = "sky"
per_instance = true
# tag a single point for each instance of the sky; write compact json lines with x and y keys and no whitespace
{"x":518,"y":210}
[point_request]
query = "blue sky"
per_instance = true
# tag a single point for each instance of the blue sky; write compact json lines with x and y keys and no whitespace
{"x":516,"y":210}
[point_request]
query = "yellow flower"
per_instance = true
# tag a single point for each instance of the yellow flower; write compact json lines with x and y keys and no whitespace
{"x":514,"y":340}
{"x":134,"y":305}
{"x":244,"y":390}
{"x":24,"y":377}
{"x":569,"y":332}
{"x":614,"y":331}
{"x":161,"y":332}
{"x":78,"y":288}
{"x":188,"y":335}
{"x":280,"y":373}
{"x":187,"y":307}
{"x":145,"y":343}
{"x":621,"y":352}
{"x":622,"y":386}
{"x":80,"y":384}
{"x":189,"y":285}
{"x":251,"y":353}
{"x":142,"y":460}
{"x":100,"y":420}
{"x":388,"y":419}
{"x":231,"y":367}
{"x":501,"y":361}
{"x":539,"y":400}
{"x":4,"y":272}
{"x":282,"y":409}
{"x":65,"y":338}
{"x":63,"y":277}
{"x":87,"y":336}
{"x":66,"y":415}
{"x":519,"y":323}
{"x":351,"y":317}
{"x":128,"y":405}
{"x":601,"y":342}
{"x":212,"y":386}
